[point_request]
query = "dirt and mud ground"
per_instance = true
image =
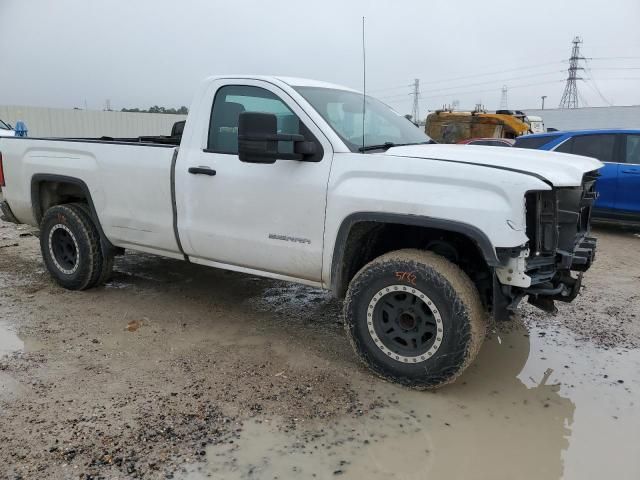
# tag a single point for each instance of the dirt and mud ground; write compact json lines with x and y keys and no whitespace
{"x":178,"y":371}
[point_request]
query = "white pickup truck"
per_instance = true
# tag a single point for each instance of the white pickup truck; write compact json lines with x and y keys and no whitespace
{"x":274,"y":177}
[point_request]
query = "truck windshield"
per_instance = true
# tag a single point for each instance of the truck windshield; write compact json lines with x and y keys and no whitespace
{"x":342,"y":110}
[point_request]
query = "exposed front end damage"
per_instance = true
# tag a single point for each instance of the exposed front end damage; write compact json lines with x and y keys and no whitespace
{"x":550,"y":266}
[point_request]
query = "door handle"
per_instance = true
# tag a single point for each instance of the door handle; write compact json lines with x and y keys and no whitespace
{"x":202,"y":171}
{"x":633,"y":171}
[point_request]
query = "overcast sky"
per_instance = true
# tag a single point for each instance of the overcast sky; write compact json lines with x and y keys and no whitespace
{"x":137,"y":53}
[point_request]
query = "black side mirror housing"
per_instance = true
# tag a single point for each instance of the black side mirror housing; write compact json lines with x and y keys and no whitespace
{"x":258,"y":140}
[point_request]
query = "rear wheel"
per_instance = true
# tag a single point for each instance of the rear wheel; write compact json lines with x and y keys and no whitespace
{"x":70,"y":245}
{"x":414,"y":318}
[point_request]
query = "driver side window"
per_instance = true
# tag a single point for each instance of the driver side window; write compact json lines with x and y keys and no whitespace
{"x":230,"y":101}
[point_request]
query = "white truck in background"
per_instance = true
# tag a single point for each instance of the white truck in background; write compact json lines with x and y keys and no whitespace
{"x":535,"y":123}
{"x":6,"y":130}
{"x":274,"y":177}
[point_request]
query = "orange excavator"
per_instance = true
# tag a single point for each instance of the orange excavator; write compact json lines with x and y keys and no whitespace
{"x":447,"y":126}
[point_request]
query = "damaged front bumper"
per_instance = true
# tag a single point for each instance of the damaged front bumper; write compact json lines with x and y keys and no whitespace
{"x":550,"y":267}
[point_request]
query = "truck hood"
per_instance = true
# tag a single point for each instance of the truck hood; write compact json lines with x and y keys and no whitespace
{"x":559,"y":169}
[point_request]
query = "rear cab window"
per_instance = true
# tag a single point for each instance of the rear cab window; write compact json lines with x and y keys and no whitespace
{"x":534,"y":142}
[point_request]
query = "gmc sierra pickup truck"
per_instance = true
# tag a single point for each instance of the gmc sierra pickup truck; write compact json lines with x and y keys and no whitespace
{"x":284,"y":178}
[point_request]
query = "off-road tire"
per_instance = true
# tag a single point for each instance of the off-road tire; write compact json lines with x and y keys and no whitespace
{"x":71,"y":224}
{"x":105,"y":269}
{"x":454,"y":299}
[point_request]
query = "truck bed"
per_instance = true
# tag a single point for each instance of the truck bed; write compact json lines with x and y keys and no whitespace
{"x":129,"y":183}
{"x":171,"y":140}
{"x":159,"y":140}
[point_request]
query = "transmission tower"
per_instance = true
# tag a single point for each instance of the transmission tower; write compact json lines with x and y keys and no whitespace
{"x":504,"y":100}
{"x":570,"y":96}
{"x":416,"y":99}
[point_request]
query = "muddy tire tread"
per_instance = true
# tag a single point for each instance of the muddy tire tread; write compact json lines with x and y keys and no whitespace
{"x":91,"y":233}
{"x":459,"y":289}
{"x":105,"y":264}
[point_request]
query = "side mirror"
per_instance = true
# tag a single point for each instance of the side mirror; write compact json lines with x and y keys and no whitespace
{"x":258,"y":140}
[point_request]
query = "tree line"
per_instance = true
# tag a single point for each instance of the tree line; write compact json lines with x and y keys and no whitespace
{"x":156,"y":109}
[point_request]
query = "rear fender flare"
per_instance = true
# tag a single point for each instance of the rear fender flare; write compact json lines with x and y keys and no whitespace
{"x":39,"y":178}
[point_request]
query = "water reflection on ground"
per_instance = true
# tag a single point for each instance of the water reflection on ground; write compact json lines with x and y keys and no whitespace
{"x":535,"y":405}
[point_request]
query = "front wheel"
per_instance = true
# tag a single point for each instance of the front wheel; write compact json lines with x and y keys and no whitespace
{"x":414,"y":318}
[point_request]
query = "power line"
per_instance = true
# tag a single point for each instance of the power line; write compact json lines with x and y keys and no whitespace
{"x":475,"y":75}
{"x":616,"y":68}
{"x":492,"y":90}
{"x":389,"y":88}
{"x":614,"y":58}
{"x":493,"y":82}
{"x":490,"y":82}
{"x":591,"y":82}
{"x":595,"y":85}
{"x":498,"y":72}
{"x":455,"y":94}
{"x":582,"y":99}
{"x":571,"y":79}
{"x":618,"y":78}
{"x":597,"y":91}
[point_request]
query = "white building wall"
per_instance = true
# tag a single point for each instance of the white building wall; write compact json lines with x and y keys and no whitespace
{"x":58,"y":122}
{"x":589,"y":117}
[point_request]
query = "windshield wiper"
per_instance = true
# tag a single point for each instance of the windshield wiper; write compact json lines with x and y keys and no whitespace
{"x":382,"y":146}
{"x":387,"y":145}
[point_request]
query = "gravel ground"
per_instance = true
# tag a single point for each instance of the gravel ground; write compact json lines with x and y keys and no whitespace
{"x":178,"y":371}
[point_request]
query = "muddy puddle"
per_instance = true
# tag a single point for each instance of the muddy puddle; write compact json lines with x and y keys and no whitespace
{"x":535,"y":405}
{"x":9,"y":341}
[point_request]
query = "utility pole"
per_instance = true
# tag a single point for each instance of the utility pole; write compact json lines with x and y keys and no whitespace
{"x":416,"y":101}
{"x":504,"y":99}
{"x":543,"y":97}
{"x":570,"y":96}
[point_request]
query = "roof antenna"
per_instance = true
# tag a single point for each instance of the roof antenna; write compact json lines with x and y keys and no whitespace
{"x":364,"y":84}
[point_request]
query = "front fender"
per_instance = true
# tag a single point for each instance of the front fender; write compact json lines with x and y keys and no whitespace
{"x":485,"y":204}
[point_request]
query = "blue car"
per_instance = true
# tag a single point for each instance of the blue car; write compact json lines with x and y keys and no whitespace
{"x":619,"y":183}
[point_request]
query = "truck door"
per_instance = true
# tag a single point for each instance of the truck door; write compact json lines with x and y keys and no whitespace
{"x":267,"y":217}
{"x":628,"y":199}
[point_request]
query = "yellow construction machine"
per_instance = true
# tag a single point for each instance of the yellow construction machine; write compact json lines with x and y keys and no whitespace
{"x":446,"y":126}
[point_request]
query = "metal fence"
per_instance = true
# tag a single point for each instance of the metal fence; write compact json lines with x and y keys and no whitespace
{"x":58,"y":122}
